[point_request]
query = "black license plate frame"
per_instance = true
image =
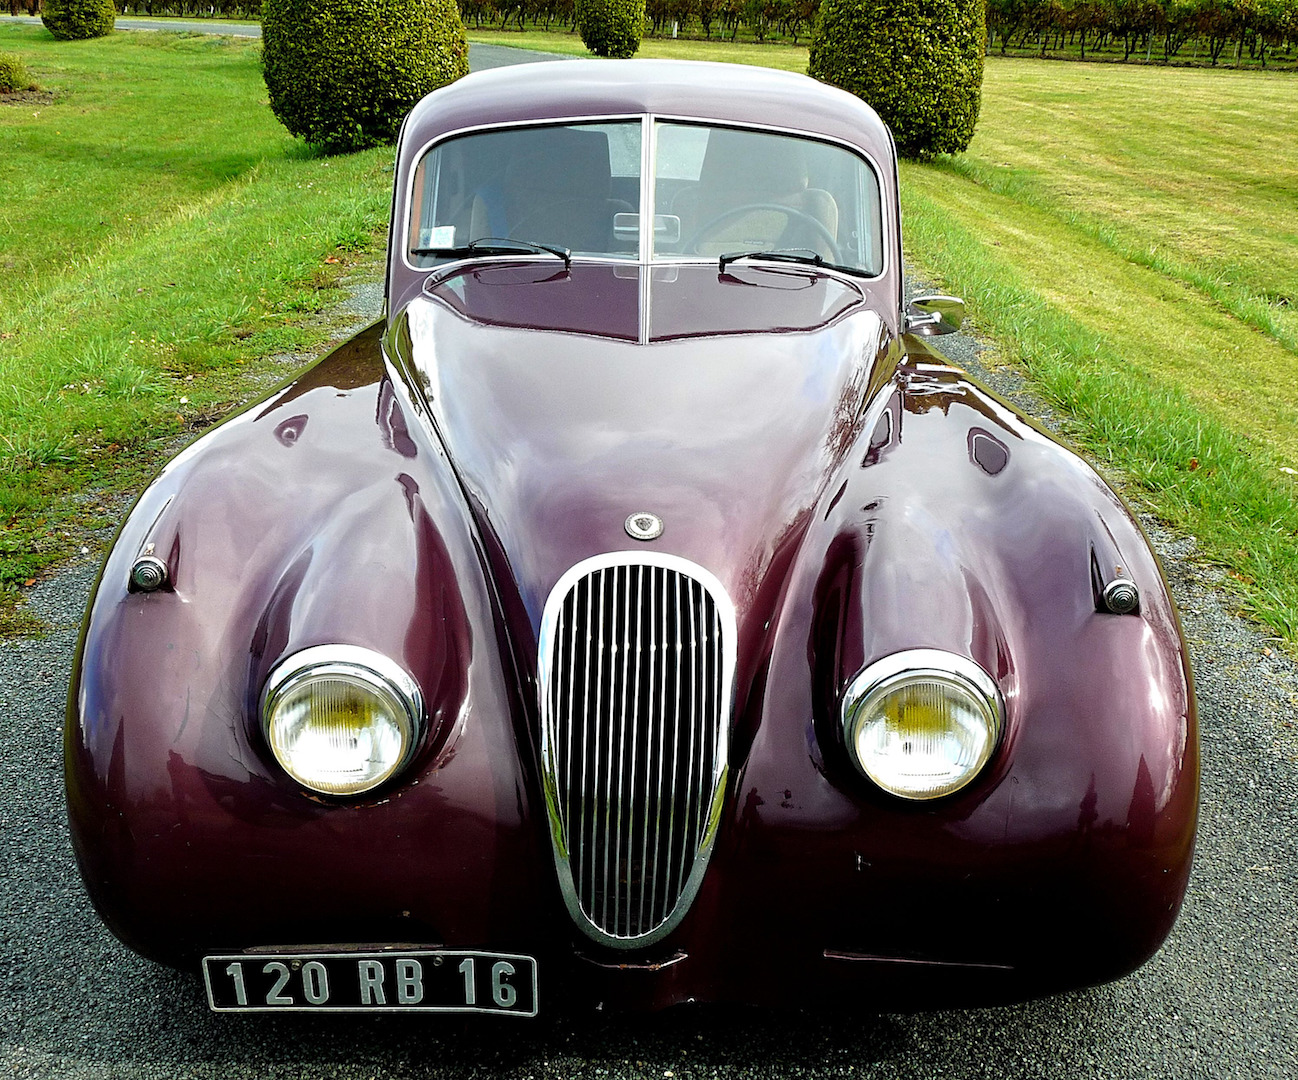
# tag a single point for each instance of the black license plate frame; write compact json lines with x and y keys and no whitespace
{"x":417,"y":980}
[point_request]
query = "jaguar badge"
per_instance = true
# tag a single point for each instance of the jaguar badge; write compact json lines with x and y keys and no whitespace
{"x":643,"y":525}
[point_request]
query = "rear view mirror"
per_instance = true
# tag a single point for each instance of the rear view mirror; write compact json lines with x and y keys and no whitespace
{"x":667,"y":227}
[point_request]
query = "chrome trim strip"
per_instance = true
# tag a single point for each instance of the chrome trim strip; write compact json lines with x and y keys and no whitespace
{"x":653,"y":875}
{"x":676,"y":736}
{"x":648,"y":170}
{"x":599,"y":711}
{"x":646,"y":576}
{"x":635,"y":742}
{"x":873,"y":958}
{"x":625,"y":591}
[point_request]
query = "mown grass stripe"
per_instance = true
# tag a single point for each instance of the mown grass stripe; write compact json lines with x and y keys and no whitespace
{"x":1161,"y":326}
{"x":1275,"y":319}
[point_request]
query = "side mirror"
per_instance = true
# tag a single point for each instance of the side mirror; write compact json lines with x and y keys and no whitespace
{"x":928,"y":316}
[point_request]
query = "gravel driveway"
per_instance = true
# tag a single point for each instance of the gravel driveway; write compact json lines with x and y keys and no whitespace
{"x":1220,"y":999}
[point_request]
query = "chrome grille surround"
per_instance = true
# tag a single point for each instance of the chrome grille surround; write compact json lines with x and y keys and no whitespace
{"x":636,"y":669}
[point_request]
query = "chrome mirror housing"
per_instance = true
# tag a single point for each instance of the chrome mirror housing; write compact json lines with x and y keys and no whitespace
{"x":928,"y":316}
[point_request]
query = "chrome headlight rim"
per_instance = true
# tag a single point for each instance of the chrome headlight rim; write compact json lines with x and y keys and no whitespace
{"x":379,"y":673}
{"x":897,"y":670}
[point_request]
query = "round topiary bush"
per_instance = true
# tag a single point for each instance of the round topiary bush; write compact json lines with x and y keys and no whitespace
{"x":72,"y":20}
{"x":919,"y":63}
{"x":342,"y":74}
{"x":610,"y":27}
{"x":13,"y":74}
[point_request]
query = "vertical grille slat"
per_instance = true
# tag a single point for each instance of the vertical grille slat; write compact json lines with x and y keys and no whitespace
{"x":634,"y":604}
{"x":692,"y":649}
{"x":648,"y":872}
{"x":651,"y":882}
{"x":598,"y":874}
{"x":624,"y":617}
{"x":573,"y":745}
{"x":637,"y":657}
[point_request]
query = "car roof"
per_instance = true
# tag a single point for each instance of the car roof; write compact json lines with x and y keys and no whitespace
{"x":730,"y":93}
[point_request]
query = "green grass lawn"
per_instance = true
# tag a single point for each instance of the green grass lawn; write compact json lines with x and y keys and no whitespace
{"x":160,"y":234}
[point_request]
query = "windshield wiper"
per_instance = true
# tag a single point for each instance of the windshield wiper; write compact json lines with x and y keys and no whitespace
{"x":805,"y":256}
{"x":500,"y":245}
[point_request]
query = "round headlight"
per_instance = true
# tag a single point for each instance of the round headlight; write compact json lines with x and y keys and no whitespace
{"x":922,"y":723}
{"x":341,"y":719}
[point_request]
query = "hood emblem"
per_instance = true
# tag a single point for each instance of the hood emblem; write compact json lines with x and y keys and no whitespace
{"x":643,"y":525}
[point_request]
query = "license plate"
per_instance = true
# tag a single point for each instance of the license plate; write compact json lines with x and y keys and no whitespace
{"x":418,"y":981}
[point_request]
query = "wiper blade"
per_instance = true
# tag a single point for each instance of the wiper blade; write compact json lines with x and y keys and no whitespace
{"x":500,"y":245}
{"x":804,"y":256}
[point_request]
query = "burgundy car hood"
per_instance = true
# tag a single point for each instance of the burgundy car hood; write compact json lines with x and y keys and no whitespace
{"x":563,"y":416}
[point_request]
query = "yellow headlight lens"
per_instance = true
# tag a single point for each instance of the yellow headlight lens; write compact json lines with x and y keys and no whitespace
{"x":922,"y":724}
{"x":340,"y":720}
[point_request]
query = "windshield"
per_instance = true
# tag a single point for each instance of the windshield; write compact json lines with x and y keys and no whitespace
{"x":578,"y":187}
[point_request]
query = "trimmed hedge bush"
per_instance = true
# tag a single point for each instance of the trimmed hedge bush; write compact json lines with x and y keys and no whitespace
{"x":918,"y":63}
{"x":13,"y":74}
{"x":610,"y":27}
{"x":342,"y":74}
{"x":73,"y":20}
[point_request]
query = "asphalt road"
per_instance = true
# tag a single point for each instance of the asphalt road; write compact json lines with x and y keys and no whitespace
{"x":177,"y":26}
{"x":1220,"y":999}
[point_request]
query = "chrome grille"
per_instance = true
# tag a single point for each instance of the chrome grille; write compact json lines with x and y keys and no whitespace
{"x":636,"y":663}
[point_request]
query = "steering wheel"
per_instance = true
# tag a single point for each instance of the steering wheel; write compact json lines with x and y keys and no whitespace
{"x":716,"y":221}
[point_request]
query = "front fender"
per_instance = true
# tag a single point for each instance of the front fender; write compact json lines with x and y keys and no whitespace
{"x":322,"y":510}
{"x":958,"y":526}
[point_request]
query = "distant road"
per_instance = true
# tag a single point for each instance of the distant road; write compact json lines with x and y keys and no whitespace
{"x":191,"y":26}
{"x":179,"y":26}
{"x":480,"y":56}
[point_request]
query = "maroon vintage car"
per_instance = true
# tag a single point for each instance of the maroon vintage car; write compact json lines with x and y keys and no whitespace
{"x":639,"y":613}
